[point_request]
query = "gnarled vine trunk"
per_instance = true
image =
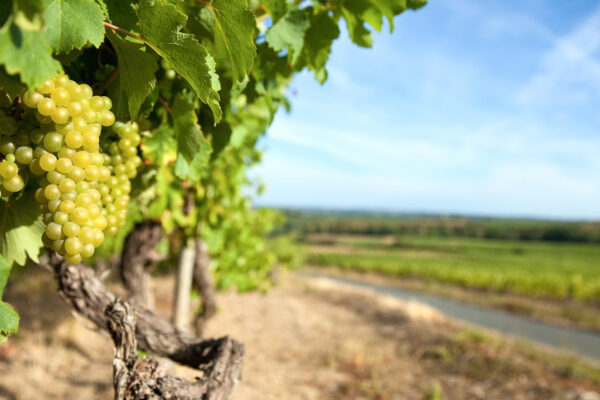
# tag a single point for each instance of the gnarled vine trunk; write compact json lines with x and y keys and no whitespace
{"x":204,"y":281}
{"x":219,"y":360}
{"x":137,"y":256}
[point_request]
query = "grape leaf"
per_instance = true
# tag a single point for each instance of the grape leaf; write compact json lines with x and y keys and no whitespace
{"x":21,"y":229}
{"x":160,"y":148}
{"x":136,"y":72}
{"x":71,"y":24}
{"x":317,"y":43}
{"x":277,"y":8}
{"x":11,"y":84}
{"x":233,"y":25}
{"x":288,"y":33}
{"x":120,"y":13}
{"x":193,"y":150}
{"x":26,"y":53}
{"x":9,"y":319}
{"x":356,"y":29}
{"x":160,"y":26}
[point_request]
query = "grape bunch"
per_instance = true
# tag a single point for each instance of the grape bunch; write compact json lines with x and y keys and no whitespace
{"x":83,"y":191}
{"x":123,"y":161}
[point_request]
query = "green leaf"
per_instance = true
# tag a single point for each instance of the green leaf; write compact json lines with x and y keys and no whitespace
{"x":160,"y":26}
{"x":233,"y":25}
{"x":356,"y":29}
{"x":277,"y":8}
{"x":160,"y":148}
{"x":28,"y":54}
{"x":193,"y":150}
{"x":28,"y":14}
{"x":121,"y":13}
{"x":21,"y":229}
{"x":11,"y":84}
{"x":9,"y":318}
{"x":136,"y":72}
{"x":288,"y":33}
{"x":317,"y":43}
{"x":71,"y":24}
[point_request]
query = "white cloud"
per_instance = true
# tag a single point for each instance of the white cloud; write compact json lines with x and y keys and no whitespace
{"x":570,"y":71}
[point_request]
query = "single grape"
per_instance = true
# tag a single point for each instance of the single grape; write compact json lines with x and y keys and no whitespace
{"x":24,"y":155}
{"x":48,"y":162}
{"x":54,"y":231}
{"x":13,"y":184}
{"x":70,"y":229}
{"x":45,"y":107}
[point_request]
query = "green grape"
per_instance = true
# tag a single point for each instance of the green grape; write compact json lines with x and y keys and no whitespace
{"x":13,"y":184}
{"x":7,"y":145}
{"x":97,"y":103}
{"x":76,"y":174}
{"x":54,"y":231}
{"x":31,"y":98}
{"x":35,"y":168}
{"x":58,"y":246}
{"x":86,"y":235}
{"x":64,"y":165}
{"x":67,"y":206}
{"x":82,"y":187}
{"x":46,"y":87}
{"x":83,"y":200}
{"x":100,"y":222}
{"x":60,"y":115}
{"x":53,"y":205}
{"x":60,"y":96}
{"x":39,"y":152}
{"x":52,"y":192}
{"x":73,"y":259}
{"x":48,"y":162}
{"x":39,"y":195}
{"x":107,"y":118}
{"x":55,"y":177}
{"x":98,"y":238}
{"x":74,"y":139}
{"x":53,"y":142}
{"x":87,"y":250}
{"x":92,"y":173}
{"x":24,"y":155}
{"x":46,"y":107}
{"x":79,"y":215}
{"x":75,"y":108}
{"x":86,"y":91}
{"x":36,"y":136}
{"x":8,"y":169}
{"x":82,"y":159}
{"x":80,"y":124}
{"x":66,"y":185}
{"x":61,"y":218}
{"x":71,"y":229}
{"x":73,"y":246}
{"x":70,"y":196}
{"x":66,"y":152}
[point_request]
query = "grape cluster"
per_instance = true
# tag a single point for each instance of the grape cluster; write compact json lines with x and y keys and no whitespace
{"x":82,"y":190}
{"x":122,"y":161}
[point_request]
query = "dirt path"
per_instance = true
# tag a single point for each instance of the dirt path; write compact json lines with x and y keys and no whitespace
{"x":304,"y":340}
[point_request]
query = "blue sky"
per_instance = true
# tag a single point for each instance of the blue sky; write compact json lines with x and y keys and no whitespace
{"x":469,"y":107}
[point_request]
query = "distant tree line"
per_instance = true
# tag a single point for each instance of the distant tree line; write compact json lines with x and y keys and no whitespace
{"x":311,"y":222}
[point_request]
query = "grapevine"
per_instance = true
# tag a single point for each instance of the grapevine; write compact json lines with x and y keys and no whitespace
{"x":83,"y":190}
{"x":136,"y":121}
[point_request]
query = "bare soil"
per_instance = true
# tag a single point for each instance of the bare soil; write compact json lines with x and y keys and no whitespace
{"x":305,"y":339}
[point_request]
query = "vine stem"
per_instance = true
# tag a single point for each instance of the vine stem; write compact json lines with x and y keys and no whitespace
{"x":104,"y":84}
{"x":165,"y":105}
{"x":126,"y":32}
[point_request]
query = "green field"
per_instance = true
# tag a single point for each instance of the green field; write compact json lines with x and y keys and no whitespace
{"x":560,"y":270}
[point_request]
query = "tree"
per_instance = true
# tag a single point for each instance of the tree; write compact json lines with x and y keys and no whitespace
{"x":199,"y":82}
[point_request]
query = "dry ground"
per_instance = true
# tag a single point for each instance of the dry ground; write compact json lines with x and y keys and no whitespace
{"x":304,"y":340}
